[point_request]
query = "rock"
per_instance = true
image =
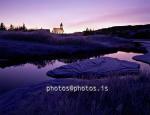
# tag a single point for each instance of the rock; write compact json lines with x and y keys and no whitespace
{"x":99,"y":67}
{"x":146,"y":57}
{"x":143,"y":58}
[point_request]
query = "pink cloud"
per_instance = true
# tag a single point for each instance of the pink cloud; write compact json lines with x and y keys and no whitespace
{"x":130,"y":15}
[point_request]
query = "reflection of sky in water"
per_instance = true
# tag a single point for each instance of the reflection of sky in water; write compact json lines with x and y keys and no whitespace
{"x":128,"y":57}
{"x":23,"y":75}
{"x":28,"y":74}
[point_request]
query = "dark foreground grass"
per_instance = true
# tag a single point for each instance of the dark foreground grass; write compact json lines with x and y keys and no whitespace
{"x":127,"y":95}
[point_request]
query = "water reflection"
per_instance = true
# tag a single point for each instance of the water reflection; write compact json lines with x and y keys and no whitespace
{"x":129,"y":57}
{"x":38,"y":63}
{"x":16,"y":74}
{"x":25,"y":74}
{"x":42,"y":64}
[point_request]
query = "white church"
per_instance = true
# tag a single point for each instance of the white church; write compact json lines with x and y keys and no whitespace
{"x":58,"y":30}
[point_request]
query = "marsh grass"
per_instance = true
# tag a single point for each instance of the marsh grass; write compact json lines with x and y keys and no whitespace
{"x":49,"y":38}
{"x":37,"y":37}
{"x":127,"y":95}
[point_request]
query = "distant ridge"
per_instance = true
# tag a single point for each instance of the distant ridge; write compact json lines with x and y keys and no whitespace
{"x":129,"y":31}
{"x":134,"y":27}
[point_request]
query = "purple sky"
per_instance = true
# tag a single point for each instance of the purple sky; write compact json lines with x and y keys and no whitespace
{"x":76,"y":15}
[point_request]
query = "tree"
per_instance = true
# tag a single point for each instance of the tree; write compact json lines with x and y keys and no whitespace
{"x":88,"y":32}
{"x":2,"y":26}
{"x":87,"y":29}
{"x":24,"y":27}
{"x":11,"y":27}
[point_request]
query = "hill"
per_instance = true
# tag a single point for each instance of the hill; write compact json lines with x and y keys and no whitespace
{"x":137,"y":31}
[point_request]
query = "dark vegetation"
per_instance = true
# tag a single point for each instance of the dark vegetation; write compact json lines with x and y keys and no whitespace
{"x":138,"y":31}
{"x":2,"y":27}
{"x":12,"y":28}
{"x":88,"y":32}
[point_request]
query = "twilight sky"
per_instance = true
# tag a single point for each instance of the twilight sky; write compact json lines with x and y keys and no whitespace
{"x":76,"y":15}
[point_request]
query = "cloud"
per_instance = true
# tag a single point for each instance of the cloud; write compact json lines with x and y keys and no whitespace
{"x":126,"y":16}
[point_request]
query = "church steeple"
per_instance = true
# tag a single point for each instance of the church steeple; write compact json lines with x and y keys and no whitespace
{"x":61,"y":26}
{"x":59,"y":30}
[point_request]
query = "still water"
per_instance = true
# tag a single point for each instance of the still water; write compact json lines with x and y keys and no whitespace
{"x":28,"y":74}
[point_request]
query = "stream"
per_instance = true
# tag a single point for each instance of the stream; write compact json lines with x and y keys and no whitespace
{"x":29,"y":74}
